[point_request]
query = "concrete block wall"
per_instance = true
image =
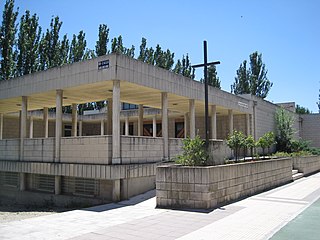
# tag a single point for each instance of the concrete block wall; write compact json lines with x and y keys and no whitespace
{"x":39,"y":150}
{"x":90,"y":150}
{"x":311,"y":129}
{"x":175,"y":147}
{"x":141,"y":149}
{"x":265,"y":118}
{"x":210,"y":187}
{"x":307,"y":164}
{"x":9,"y":149}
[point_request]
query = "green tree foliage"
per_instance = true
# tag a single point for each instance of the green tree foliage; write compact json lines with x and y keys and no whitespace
{"x":8,"y":32}
{"x":158,"y":57}
{"x":28,"y":43}
{"x":241,"y":84}
{"x":184,"y":68}
{"x":302,"y":110}
{"x":194,"y":153}
{"x":285,"y":130}
{"x":213,"y":79}
{"x":254,"y":80}
{"x":77,"y":47}
{"x":236,"y":141}
{"x":102,"y":43}
{"x":49,"y":47}
{"x":266,"y":141}
{"x":64,"y":51}
{"x":117,"y":47}
{"x":250,"y":143}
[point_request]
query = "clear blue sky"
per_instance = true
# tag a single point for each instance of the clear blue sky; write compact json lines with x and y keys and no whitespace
{"x":286,"y":32}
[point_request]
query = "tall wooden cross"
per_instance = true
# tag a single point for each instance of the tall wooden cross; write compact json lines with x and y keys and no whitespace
{"x":206,"y":104}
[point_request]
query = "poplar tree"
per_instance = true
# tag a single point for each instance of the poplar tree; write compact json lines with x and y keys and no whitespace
{"x":213,"y":79}
{"x":117,"y":47}
{"x":184,"y":68}
{"x":254,"y":80}
{"x":8,"y":32}
{"x":77,"y":47}
{"x":103,"y":39}
{"x":49,"y":47}
{"x":28,"y":44}
{"x":242,"y":83}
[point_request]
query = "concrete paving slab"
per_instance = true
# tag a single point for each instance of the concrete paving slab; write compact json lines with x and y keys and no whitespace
{"x":257,"y":217}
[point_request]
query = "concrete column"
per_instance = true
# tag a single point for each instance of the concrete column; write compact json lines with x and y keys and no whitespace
{"x":22,"y":185}
{"x":30,"y":127}
{"x":248,"y":124}
{"x":80,"y":128}
{"x":59,"y":99}
{"x":140,"y":120}
{"x":186,"y":123}
{"x":253,"y":121}
{"x":102,"y":127}
{"x":74,"y":119}
{"x":23,"y":124}
{"x":165,"y":131}
{"x":230,"y":120}
{"x":1,"y":126}
{"x":213,"y":122}
{"x":154,"y":126}
{"x":116,"y":190}
{"x":126,"y":128}
{"x":57,"y":185}
{"x":109,"y":116}
{"x":192,"y":116}
{"x":116,"y":154}
{"x":45,"y":122}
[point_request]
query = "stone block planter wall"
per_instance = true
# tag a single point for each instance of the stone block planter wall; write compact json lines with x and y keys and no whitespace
{"x":307,"y":165}
{"x":209,"y":187}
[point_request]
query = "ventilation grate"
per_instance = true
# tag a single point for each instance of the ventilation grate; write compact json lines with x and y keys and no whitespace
{"x":40,"y":182}
{"x":80,"y":186}
{"x":10,"y":179}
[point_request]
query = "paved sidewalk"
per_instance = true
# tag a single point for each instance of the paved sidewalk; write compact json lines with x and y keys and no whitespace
{"x":257,"y":217}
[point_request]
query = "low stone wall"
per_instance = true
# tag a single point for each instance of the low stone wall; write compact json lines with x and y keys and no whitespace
{"x":39,"y":149}
{"x":141,"y":149}
{"x":89,"y":150}
{"x":307,"y":165}
{"x":9,"y":149}
{"x":218,"y":151}
{"x":213,"y":186}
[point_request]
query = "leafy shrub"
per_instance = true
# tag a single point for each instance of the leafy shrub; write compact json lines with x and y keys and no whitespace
{"x":236,"y":141}
{"x":285,"y":130}
{"x":194,"y":153}
{"x":266,"y":141}
{"x":250,"y":143}
{"x":293,"y":154}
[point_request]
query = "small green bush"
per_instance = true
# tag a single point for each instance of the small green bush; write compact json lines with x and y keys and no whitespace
{"x":194,"y":153}
{"x":236,"y":141}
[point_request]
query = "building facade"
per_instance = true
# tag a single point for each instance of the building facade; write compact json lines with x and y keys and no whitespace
{"x":110,"y":155}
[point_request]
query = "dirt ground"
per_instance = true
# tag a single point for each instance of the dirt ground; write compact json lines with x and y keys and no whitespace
{"x":10,"y":213}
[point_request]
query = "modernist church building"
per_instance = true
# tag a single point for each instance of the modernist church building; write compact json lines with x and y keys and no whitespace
{"x":112,"y":154}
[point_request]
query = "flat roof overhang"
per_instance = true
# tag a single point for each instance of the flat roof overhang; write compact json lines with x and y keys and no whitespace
{"x":140,"y":83}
